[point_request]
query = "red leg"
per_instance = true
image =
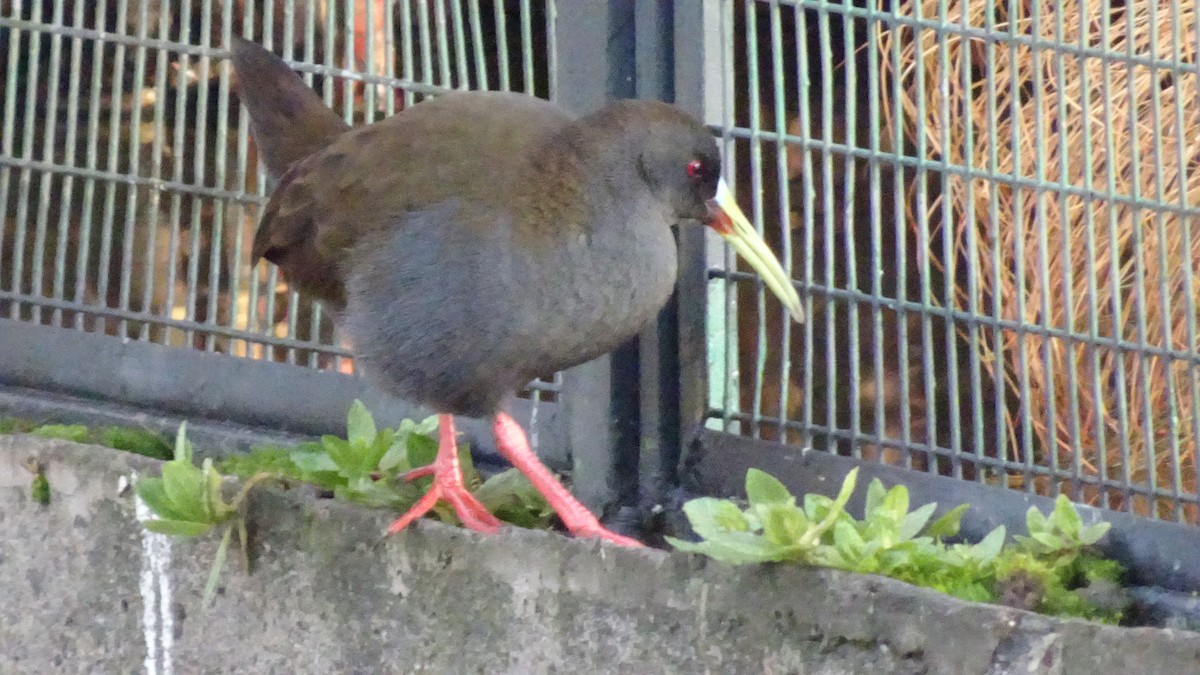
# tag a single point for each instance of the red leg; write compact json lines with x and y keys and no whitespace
{"x":511,"y":441}
{"x":448,"y":485}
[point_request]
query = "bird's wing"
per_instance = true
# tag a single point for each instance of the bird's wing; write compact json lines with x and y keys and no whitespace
{"x":462,"y":146}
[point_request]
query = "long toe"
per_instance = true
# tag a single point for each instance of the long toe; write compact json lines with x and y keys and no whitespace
{"x":448,"y":485}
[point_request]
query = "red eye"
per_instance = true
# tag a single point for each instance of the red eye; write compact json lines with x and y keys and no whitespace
{"x":695,"y":169}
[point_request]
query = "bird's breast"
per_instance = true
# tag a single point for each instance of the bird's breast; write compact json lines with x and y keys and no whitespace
{"x":604,"y":287}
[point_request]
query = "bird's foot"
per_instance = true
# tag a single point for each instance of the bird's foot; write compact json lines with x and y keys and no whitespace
{"x":447,"y":485}
{"x":512,"y":443}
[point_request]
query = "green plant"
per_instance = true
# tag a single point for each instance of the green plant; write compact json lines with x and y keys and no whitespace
{"x":39,"y":488}
{"x":1060,"y":533}
{"x":189,"y":501}
{"x":68,"y":432}
{"x":893,"y":541}
{"x":369,"y":467}
{"x":137,"y":440}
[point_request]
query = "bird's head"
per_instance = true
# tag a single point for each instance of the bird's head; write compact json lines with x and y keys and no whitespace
{"x":680,"y":162}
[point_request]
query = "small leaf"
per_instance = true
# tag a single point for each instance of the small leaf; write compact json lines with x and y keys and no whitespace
{"x":711,"y":517}
{"x":382,"y":443}
{"x":396,"y":454}
{"x":512,"y":498}
{"x":875,"y":496}
{"x":1034,"y":520}
{"x":214,"y":498}
{"x":348,"y":461}
{"x":912,"y":523}
{"x":1050,"y":541}
{"x":816,"y":506}
{"x":1066,"y":518}
{"x":783,"y":523}
{"x":422,"y":450}
{"x":312,"y":462}
{"x":949,"y":523}
{"x":360,"y":426}
{"x":847,"y":540}
{"x":835,"y":511}
{"x":426,"y":427}
{"x":214,"y":573}
{"x":152,"y":492}
{"x":847,"y":490}
{"x":989,"y":547}
{"x":764,"y":489}
{"x":177,"y":528}
{"x":183,"y":447}
{"x":185,"y":488}
{"x":735,"y":548}
{"x":466,"y":463}
{"x":895,"y":504}
{"x":1094,"y":533}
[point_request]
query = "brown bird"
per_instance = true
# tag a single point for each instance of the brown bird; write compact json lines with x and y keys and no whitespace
{"x":478,"y":239}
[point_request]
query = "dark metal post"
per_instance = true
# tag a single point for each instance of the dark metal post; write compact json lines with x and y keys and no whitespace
{"x":600,"y":402}
{"x":660,"y":419}
{"x":698,"y":88}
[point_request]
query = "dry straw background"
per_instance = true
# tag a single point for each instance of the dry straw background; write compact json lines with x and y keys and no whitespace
{"x":1092,"y":265}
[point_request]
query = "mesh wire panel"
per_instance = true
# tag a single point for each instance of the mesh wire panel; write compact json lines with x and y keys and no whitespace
{"x":990,"y":210}
{"x":128,"y":182}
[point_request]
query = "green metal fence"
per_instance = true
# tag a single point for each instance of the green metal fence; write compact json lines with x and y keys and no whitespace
{"x":990,"y":208}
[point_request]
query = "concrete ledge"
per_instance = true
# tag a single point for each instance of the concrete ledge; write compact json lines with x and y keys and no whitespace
{"x":86,"y":590}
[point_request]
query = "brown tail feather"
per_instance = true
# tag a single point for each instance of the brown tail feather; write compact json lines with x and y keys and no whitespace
{"x":289,"y":121}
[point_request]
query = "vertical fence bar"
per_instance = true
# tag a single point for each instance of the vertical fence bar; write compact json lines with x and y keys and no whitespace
{"x":849,"y":226}
{"x":1110,"y":193}
{"x":1193,"y":376}
{"x":784,"y":204}
{"x":71,"y":142}
{"x":952,"y":384}
{"x":7,"y":146}
{"x":475,"y":19}
{"x":753,"y":85}
{"x":24,"y":184}
{"x":1100,"y":431}
{"x":1074,"y":427}
{"x":154,"y":198}
{"x":1166,"y":363}
{"x":1142,"y":370}
{"x":1049,"y":417}
{"x":973,"y":262}
{"x":902,"y":235}
{"x":875,"y":91}
{"x":49,"y":139}
{"x":443,"y":43}
{"x":177,"y":171}
{"x":807,"y":371}
{"x":92,"y":162}
{"x":133,"y":137}
{"x":116,"y":92}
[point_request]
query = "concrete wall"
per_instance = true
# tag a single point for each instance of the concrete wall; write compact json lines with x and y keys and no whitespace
{"x":84,"y":589}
